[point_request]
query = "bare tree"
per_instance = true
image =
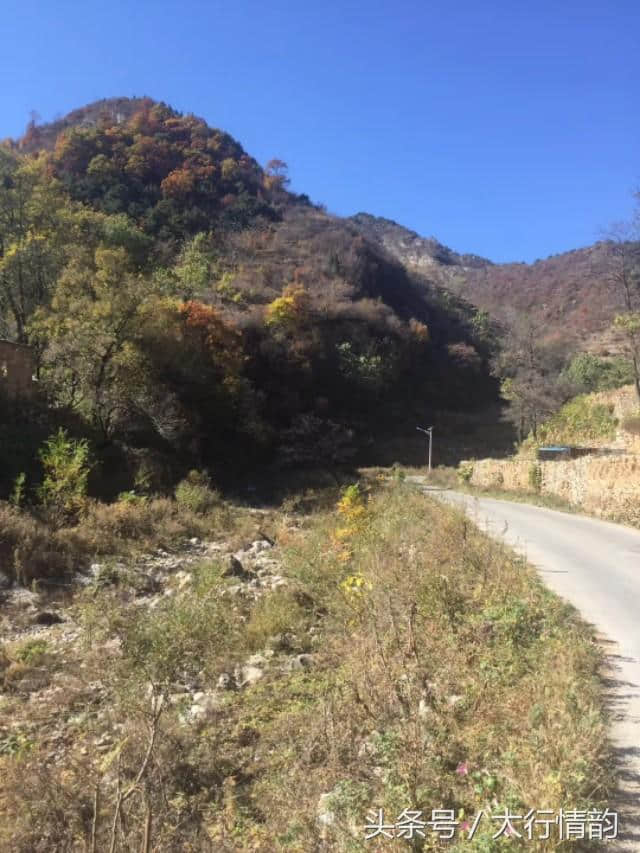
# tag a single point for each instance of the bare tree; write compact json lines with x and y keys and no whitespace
{"x":530,"y":371}
{"x":624,"y":275}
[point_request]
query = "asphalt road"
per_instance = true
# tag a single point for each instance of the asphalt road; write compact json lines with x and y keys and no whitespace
{"x":595,"y":565}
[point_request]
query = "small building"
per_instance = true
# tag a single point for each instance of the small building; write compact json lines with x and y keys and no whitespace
{"x":17,"y":366}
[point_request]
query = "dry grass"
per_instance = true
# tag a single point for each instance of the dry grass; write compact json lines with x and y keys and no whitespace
{"x":32,"y":550}
{"x":444,"y":676}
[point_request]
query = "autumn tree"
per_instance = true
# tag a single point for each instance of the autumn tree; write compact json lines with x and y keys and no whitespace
{"x":276,"y":175}
{"x":31,"y":246}
{"x":87,"y":335}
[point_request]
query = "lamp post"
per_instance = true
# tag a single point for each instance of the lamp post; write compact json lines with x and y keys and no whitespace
{"x":428,"y":431}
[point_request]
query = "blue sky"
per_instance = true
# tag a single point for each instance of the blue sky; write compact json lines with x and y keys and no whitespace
{"x":506,"y":128}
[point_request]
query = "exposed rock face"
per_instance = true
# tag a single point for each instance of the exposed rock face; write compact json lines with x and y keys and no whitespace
{"x":425,"y":254}
{"x":570,"y":293}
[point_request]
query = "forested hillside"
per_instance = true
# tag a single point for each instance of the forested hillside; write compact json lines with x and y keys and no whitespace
{"x":186,"y":310}
{"x":573,"y":296}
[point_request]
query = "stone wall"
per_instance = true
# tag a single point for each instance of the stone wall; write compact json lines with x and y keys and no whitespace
{"x":17,"y":366}
{"x":624,"y":402}
{"x":608,"y":486}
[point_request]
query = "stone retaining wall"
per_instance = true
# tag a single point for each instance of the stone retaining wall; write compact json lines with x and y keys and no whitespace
{"x":604,"y":486}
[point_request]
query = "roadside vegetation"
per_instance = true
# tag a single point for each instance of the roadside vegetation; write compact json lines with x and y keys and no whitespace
{"x":403,"y":660}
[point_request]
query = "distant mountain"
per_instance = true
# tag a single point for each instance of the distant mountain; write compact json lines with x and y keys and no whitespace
{"x":570,"y":295}
{"x":192,"y":177}
{"x":422,"y":253}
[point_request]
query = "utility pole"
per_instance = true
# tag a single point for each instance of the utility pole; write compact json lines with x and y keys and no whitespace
{"x":428,"y":431}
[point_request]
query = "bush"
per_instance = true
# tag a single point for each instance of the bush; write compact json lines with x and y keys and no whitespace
{"x":66,"y":470}
{"x":32,"y":652}
{"x":195,"y":493}
{"x":107,"y":528}
{"x":580,"y":420}
{"x":590,"y":373}
{"x":29,"y":549}
{"x":19,"y":490}
{"x":535,"y":477}
{"x":276,"y":614}
{"x":465,"y":471}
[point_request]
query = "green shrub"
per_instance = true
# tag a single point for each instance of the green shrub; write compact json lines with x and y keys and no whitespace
{"x":131,"y":497}
{"x":66,"y":470}
{"x":182,"y":634}
{"x":535,"y":477}
{"x":465,"y":471}
{"x":278,"y":613}
{"x":31,"y":652}
{"x":580,"y":420}
{"x":590,"y":373}
{"x":19,"y":490}
{"x":195,"y":493}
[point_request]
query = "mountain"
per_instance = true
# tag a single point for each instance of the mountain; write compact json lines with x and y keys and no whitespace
{"x":571,"y":295}
{"x":187,"y":307}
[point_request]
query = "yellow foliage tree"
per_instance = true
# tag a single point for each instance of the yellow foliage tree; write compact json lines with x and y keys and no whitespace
{"x":289,"y":310}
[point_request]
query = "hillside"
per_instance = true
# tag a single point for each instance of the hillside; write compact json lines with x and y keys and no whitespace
{"x":188,"y":311}
{"x":567,"y":294}
{"x":243,"y":691}
{"x":221,"y":632}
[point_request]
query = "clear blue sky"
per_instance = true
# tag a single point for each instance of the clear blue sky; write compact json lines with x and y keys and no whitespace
{"x":509,"y":128}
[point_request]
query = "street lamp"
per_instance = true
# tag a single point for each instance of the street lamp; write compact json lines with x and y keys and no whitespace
{"x":428,"y":431}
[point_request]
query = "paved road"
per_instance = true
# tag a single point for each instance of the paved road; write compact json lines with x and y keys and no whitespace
{"x":596,"y":566}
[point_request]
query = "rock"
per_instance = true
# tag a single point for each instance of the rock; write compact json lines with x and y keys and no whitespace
{"x":423,"y":708}
{"x":183,"y":579}
{"x":112,"y":645}
{"x":278,"y":581}
{"x":266,"y":564}
{"x":326,"y":817}
{"x":204,"y":704}
{"x":247,"y":675}
{"x":24,"y":598}
{"x":226,"y":682}
{"x":234,"y":589}
{"x":235,"y":569}
{"x":257,"y":660}
{"x":47,"y":617}
{"x":259,"y":546}
{"x":299,"y":663}
{"x":194,"y":540}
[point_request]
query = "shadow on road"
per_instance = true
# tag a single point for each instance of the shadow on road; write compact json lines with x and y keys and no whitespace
{"x":620,"y":694}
